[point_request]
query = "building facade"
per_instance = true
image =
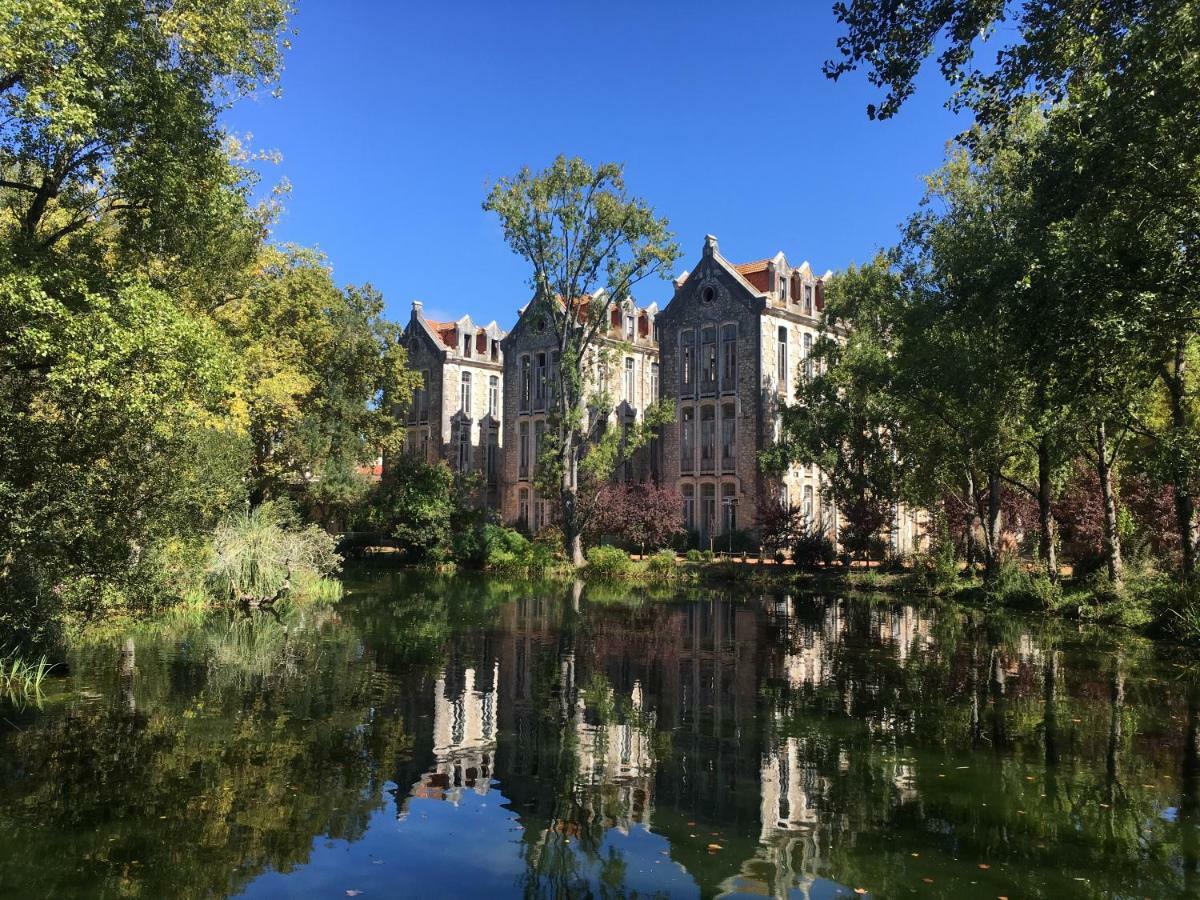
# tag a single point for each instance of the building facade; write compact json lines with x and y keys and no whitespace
{"x":735,"y":340}
{"x":456,"y":415}
{"x":624,"y":367}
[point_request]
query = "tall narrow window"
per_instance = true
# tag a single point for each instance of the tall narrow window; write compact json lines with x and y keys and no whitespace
{"x":808,"y":299}
{"x":493,"y":455}
{"x":729,"y":508}
{"x":423,"y":415}
{"x":708,"y":438}
{"x":687,"y":363}
{"x":808,"y":502}
{"x":629,"y":333}
{"x":465,"y":400}
{"x":687,"y":438}
{"x":552,"y":379}
{"x":728,"y":358}
{"x":523,"y":451}
{"x":653,"y":382}
{"x":523,"y":506}
{"x":708,"y":511}
{"x":728,"y":436}
{"x":781,"y":358}
{"x":629,"y":381}
{"x":708,"y":360}
{"x":526,"y":383}
{"x":539,"y":438}
{"x":808,"y":363}
{"x":493,"y":395}
{"x":783,"y":288}
{"x":689,"y":507}
{"x":464,"y":447}
{"x":539,"y":383}
{"x":467,"y":346}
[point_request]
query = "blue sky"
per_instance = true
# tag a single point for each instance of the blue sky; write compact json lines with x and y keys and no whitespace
{"x":395,"y":117}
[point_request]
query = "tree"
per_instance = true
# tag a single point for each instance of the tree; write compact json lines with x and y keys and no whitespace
{"x":111,"y":117}
{"x":318,"y":361}
{"x":642,"y":513}
{"x":589,"y":243}
{"x":843,"y":419}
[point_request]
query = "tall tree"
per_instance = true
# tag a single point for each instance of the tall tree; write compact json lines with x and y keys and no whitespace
{"x":589,"y":244}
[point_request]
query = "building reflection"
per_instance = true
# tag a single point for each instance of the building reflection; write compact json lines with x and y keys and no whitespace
{"x":684,"y":718}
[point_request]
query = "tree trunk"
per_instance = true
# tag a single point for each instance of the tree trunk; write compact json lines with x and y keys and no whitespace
{"x":991,"y":531}
{"x":1045,"y":513}
{"x":1112,"y":538}
{"x":1185,"y":504}
{"x":971,"y":520}
{"x":569,"y":496}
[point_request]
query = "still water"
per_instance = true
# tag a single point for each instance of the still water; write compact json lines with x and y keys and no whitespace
{"x":458,"y":737}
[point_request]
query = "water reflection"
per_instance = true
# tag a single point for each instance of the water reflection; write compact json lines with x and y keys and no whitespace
{"x":581,"y":743}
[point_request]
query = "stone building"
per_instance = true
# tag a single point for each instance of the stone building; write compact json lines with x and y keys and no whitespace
{"x":456,"y":415}
{"x":624,"y":366}
{"x":734,"y":340}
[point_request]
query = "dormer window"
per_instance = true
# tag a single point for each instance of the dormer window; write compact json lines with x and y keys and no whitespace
{"x":783,"y":288}
{"x":466,"y":345}
{"x":808,"y":299}
{"x":629,"y":327}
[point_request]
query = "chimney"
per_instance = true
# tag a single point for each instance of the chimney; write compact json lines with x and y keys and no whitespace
{"x":710,"y":244}
{"x":418,"y":309}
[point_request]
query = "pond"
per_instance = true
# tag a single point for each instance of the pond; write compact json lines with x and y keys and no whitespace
{"x":454,"y":737}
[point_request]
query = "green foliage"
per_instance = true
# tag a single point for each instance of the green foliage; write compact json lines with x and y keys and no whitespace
{"x":938,"y":570}
{"x":694,"y":555}
{"x":264,"y":554}
{"x":21,"y":681}
{"x":662,"y":563}
{"x":607,"y":562}
{"x":588,"y":244}
{"x":415,"y":506}
{"x":813,"y":547}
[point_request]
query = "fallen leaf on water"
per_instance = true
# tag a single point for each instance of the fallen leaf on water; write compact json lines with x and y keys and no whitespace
{"x":715,"y":847}
{"x":915,"y":855}
{"x":984,"y":866}
{"x":927,"y":880}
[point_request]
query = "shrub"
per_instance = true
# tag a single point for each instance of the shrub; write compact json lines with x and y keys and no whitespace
{"x":811,"y":548}
{"x":607,"y":562}
{"x":255,"y":554}
{"x":1178,"y":610}
{"x":708,"y":555}
{"x":694,"y":555}
{"x":869,"y":580}
{"x":661,"y":563}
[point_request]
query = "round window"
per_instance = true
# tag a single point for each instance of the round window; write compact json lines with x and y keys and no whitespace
{"x":707,"y":293}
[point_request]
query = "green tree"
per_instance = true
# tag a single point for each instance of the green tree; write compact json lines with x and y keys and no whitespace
{"x":589,"y":243}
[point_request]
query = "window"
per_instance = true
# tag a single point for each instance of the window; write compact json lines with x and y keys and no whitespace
{"x":653,"y":382}
{"x":523,"y":505}
{"x":689,"y":507}
{"x":538,"y":511}
{"x":539,"y":438}
{"x":708,"y":510}
{"x":808,"y":363}
{"x":808,"y":502}
{"x":523,"y":452}
{"x":781,"y":354}
{"x":785,"y":497}
{"x":687,"y":438}
{"x":728,"y":436}
{"x":708,"y":438}
{"x":708,"y":360}
{"x":783,"y":288}
{"x":493,"y":395}
{"x":808,"y":299}
{"x":687,"y":364}
{"x":629,"y":328}
{"x":526,"y":383}
{"x":552,"y":378}
{"x":464,"y":403}
{"x":464,"y":447}
{"x":495,"y":349}
{"x":493,"y":455}
{"x":629,"y":381}
{"x":729,"y":508}
{"x":423,"y":394}
{"x":539,"y":383}
{"x":728,"y":358}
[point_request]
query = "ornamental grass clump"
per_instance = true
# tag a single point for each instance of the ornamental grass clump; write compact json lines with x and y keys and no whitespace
{"x":262,"y":555}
